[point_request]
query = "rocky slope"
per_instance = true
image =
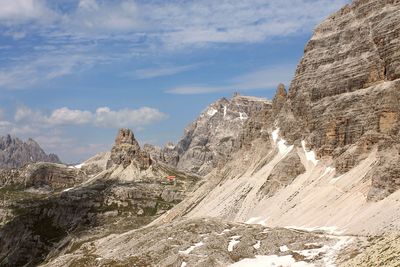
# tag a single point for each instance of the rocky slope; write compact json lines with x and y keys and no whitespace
{"x":15,"y":153}
{"x":208,"y":242}
{"x":210,"y":140}
{"x":47,"y":209}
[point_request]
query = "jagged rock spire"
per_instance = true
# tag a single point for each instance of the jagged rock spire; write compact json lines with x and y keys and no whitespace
{"x":125,"y":136}
{"x":127,"y":151}
{"x":279,"y":98}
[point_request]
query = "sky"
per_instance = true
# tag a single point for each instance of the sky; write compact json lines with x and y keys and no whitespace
{"x":74,"y":71}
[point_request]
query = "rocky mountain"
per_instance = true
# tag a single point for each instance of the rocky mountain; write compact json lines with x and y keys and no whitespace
{"x":344,"y":98}
{"x":330,"y":157}
{"x":209,"y":141}
{"x":307,"y":179}
{"x":15,"y":153}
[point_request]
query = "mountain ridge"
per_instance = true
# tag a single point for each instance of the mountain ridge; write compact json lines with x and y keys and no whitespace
{"x":15,"y":153}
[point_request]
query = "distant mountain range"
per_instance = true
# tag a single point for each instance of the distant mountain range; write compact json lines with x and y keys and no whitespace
{"x":15,"y":153}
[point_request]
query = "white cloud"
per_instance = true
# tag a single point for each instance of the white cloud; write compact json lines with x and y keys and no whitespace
{"x":264,"y":78}
{"x":66,"y":116}
{"x":105,"y":117}
{"x":18,"y":11}
{"x":28,"y":72}
{"x":163,"y":71}
{"x":23,"y":114}
{"x":102,"y":117}
{"x":102,"y":17}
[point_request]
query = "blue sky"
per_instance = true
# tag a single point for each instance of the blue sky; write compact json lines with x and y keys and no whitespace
{"x":74,"y":71}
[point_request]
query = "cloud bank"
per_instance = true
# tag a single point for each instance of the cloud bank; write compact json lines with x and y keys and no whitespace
{"x":103,"y":117}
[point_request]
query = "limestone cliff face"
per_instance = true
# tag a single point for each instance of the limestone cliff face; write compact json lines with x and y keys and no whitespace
{"x":216,"y":134}
{"x":346,"y":89}
{"x":15,"y":153}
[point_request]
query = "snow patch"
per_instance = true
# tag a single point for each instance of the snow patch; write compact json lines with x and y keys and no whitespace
{"x":212,"y":111}
{"x":310,"y":254}
{"x":243,"y":116}
{"x":170,"y":146}
{"x":329,"y":252}
{"x":233,"y":242}
{"x":257,"y":220}
{"x":225,"y":231}
{"x":284,"y":248}
{"x":183,"y":264}
{"x":327,"y":171}
{"x":283,"y":148}
{"x":271,"y":260}
{"x":68,"y":189}
{"x":225,"y":109}
{"x":190,"y":249}
{"x":275,"y":135}
{"x":330,"y":257}
{"x":310,"y":155}
{"x":257,"y":245}
{"x":78,"y":166}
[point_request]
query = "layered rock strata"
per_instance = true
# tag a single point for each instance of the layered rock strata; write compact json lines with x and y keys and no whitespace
{"x":346,"y":87}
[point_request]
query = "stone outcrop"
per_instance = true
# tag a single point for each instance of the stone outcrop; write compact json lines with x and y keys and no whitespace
{"x":95,"y":164}
{"x":279,"y":98}
{"x":50,"y":176}
{"x":15,"y":153}
{"x":127,"y":151}
{"x":167,"y":154}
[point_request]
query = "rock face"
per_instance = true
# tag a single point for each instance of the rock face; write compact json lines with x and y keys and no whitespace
{"x":215,"y":135}
{"x":42,"y":175}
{"x":347,"y":85}
{"x":15,"y":153}
{"x":127,"y":151}
{"x":283,"y":174}
{"x":95,"y":164}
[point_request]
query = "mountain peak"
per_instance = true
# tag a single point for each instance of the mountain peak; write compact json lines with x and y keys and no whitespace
{"x":15,"y":153}
{"x":127,"y":151}
{"x":126,"y":136}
